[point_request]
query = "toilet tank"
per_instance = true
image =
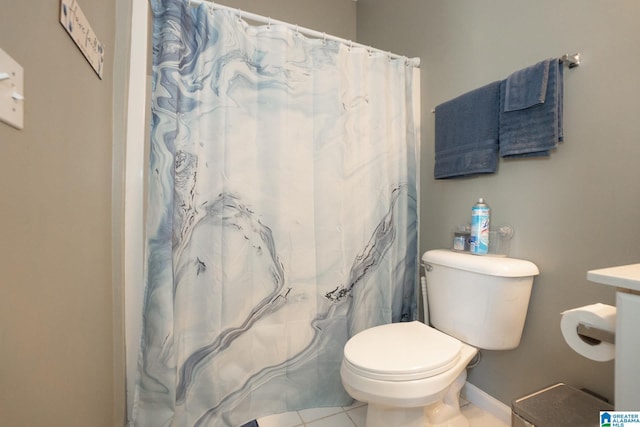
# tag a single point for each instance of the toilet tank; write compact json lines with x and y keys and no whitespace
{"x":481,"y":300}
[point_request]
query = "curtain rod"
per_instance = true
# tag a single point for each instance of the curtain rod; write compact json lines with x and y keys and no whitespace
{"x":306,"y":31}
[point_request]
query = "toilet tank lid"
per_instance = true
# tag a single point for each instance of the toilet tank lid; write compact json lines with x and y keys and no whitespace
{"x":482,"y":264}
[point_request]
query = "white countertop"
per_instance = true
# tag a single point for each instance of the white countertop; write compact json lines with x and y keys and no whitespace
{"x":624,"y":276}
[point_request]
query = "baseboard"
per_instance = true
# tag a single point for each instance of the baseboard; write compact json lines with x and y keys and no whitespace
{"x":486,"y":402}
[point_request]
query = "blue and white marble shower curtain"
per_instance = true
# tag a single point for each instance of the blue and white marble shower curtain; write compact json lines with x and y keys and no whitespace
{"x":282,"y":216}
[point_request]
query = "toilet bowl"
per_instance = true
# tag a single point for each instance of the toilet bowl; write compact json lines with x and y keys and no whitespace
{"x":411,"y":374}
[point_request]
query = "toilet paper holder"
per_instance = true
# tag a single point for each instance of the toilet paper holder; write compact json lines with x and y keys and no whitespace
{"x":594,"y":336}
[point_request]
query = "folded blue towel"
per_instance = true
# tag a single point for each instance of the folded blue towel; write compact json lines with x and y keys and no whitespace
{"x":466,"y":129}
{"x":533,"y":131}
{"x":528,"y":87}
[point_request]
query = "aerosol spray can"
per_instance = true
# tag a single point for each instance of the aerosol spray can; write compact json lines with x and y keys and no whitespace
{"x":480,"y":220}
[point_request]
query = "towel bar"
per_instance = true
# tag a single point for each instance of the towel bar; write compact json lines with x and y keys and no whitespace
{"x":571,"y":60}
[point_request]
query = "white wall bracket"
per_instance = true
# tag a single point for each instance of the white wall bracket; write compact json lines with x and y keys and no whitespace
{"x":11,"y":91}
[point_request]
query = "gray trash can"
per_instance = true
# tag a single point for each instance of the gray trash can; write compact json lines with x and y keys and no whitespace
{"x":559,"y":405}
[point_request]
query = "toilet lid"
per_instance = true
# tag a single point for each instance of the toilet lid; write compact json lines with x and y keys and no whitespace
{"x":401,"y":352}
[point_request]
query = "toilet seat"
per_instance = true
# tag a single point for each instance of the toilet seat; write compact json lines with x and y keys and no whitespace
{"x":401,"y":352}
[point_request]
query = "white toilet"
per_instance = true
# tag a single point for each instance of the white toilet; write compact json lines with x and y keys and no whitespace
{"x":411,"y":374}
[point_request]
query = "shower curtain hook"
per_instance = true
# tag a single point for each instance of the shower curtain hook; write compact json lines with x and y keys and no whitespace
{"x":269,"y":23}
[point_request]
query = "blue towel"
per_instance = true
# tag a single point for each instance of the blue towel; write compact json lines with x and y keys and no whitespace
{"x":535,"y":130}
{"x":466,"y":128}
{"x":527,"y":87}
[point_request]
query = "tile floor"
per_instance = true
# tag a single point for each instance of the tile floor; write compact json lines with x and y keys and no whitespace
{"x":354,"y":416}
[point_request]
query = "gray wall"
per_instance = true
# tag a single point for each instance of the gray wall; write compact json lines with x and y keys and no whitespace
{"x":56,"y":344}
{"x":575,"y":211}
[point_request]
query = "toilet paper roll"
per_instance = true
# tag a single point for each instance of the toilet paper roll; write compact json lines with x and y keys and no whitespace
{"x":598,"y":315}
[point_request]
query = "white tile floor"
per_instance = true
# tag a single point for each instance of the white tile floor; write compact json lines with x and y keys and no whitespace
{"x":354,"y":416}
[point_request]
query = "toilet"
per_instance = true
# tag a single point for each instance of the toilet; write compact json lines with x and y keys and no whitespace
{"x":411,"y":374}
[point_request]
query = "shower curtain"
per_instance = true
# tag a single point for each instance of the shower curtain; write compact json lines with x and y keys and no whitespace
{"x":282,"y":216}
